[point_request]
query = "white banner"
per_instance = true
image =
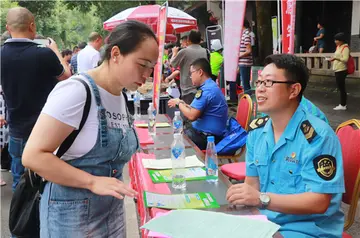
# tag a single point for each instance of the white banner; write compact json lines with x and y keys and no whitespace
{"x":234,"y":19}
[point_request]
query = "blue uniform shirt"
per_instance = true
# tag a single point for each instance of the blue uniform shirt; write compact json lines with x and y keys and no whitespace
{"x":300,"y":162}
{"x":211,"y":102}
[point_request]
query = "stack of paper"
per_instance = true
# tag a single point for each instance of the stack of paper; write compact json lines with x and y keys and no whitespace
{"x":190,"y":161}
{"x":160,"y":214}
{"x":158,"y":125}
{"x":197,"y":223}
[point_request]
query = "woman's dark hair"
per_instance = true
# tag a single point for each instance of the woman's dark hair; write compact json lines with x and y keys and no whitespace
{"x":203,"y":64}
{"x":66,"y":52}
{"x":321,"y":23}
{"x":340,"y":36}
{"x":246,"y":24}
{"x":294,"y":67}
{"x":128,"y":36}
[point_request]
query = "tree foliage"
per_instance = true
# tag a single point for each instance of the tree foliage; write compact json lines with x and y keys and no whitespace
{"x":5,"y":5}
{"x":70,"y":22}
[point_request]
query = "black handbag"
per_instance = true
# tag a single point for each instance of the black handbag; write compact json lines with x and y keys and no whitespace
{"x":24,"y":218}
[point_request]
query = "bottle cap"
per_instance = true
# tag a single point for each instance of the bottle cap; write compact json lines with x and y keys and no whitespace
{"x":150,"y":104}
{"x":211,"y":139}
{"x":177,"y":113}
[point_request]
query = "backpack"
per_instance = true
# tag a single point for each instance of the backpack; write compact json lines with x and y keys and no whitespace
{"x":350,"y":63}
{"x":234,"y":138}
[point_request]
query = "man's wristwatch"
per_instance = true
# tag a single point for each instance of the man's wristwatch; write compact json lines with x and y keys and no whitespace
{"x":265,"y":200}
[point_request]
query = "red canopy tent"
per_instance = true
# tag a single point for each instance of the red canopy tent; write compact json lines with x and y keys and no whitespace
{"x":177,"y":20}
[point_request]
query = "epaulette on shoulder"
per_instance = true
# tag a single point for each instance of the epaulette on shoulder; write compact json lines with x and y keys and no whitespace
{"x":258,"y":122}
{"x":308,"y":130}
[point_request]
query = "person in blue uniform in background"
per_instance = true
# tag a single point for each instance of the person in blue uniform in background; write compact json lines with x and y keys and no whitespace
{"x":294,"y":167}
{"x":208,"y":111}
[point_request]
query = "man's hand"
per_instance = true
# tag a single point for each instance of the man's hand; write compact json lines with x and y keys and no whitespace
{"x":315,"y":39}
{"x":53,"y":46}
{"x":243,"y":194}
{"x":2,"y":121}
{"x":173,"y":102}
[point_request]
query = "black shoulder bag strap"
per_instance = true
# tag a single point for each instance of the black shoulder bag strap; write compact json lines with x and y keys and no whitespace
{"x":71,"y":138}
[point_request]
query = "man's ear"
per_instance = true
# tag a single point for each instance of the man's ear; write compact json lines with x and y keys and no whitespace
{"x":295,"y":90}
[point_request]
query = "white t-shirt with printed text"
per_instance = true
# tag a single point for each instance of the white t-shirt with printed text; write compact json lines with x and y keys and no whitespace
{"x":66,"y":103}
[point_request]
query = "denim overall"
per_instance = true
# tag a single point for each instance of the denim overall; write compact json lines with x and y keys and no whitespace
{"x":78,"y":213}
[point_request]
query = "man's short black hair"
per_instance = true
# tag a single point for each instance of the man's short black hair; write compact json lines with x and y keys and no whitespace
{"x":294,"y":67}
{"x":203,"y":64}
{"x":195,"y":37}
{"x":82,"y":45}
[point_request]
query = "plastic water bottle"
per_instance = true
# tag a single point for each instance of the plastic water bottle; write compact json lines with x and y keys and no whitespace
{"x":177,"y":123}
{"x":137,"y":110}
{"x":211,"y":160}
{"x":152,"y":119}
{"x":178,"y":162}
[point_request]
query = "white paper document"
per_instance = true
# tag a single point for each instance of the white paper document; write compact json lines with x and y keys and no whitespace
{"x":190,"y":161}
{"x":196,"y":223}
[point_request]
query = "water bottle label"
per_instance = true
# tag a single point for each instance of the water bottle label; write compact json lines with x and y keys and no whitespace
{"x":211,"y":164}
{"x":176,"y":152}
{"x":154,"y":113}
{"x":177,"y":124}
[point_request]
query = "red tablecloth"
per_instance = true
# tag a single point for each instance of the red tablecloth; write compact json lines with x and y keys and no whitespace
{"x":141,"y":181}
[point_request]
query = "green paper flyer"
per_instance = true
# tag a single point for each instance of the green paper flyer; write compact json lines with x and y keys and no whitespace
{"x":191,"y":174}
{"x":180,"y":201}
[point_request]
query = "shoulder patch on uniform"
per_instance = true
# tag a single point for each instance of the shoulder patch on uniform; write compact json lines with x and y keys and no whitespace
{"x":308,"y":131}
{"x":258,"y":122}
{"x":325,"y":166}
{"x":198,"y":93}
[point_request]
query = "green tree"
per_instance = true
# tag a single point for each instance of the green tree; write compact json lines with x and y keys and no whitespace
{"x":5,"y":5}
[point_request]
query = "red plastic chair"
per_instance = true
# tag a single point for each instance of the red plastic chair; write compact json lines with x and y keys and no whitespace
{"x":237,"y":170}
{"x":349,"y":136}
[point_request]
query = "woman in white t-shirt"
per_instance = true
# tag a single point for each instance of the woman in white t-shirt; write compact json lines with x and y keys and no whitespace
{"x":84,"y":193}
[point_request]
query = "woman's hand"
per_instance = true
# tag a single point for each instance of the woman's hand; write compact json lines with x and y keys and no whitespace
{"x":106,"y":186}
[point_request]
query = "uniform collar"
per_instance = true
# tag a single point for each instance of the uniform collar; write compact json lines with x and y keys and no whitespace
{"x":292,"y":125}
{"x":19,"y":40}
{"x":205,"y":83}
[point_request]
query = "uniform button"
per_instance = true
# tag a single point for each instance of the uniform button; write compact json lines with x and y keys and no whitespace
{"x":290,"y":171}
{"x":273,"y":161}
{"x":257,"y":161}
{"x":272,"y":182}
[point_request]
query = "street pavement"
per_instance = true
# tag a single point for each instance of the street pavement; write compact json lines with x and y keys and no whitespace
{"x":325,"y":97}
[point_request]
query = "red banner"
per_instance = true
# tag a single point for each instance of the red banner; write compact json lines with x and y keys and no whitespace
{"x":161,"y":32}
{"x":288,"y":10}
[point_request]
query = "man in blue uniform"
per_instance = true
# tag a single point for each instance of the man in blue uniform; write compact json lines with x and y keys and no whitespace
{"x":294,"y":167}
{"x":208,"y":111}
